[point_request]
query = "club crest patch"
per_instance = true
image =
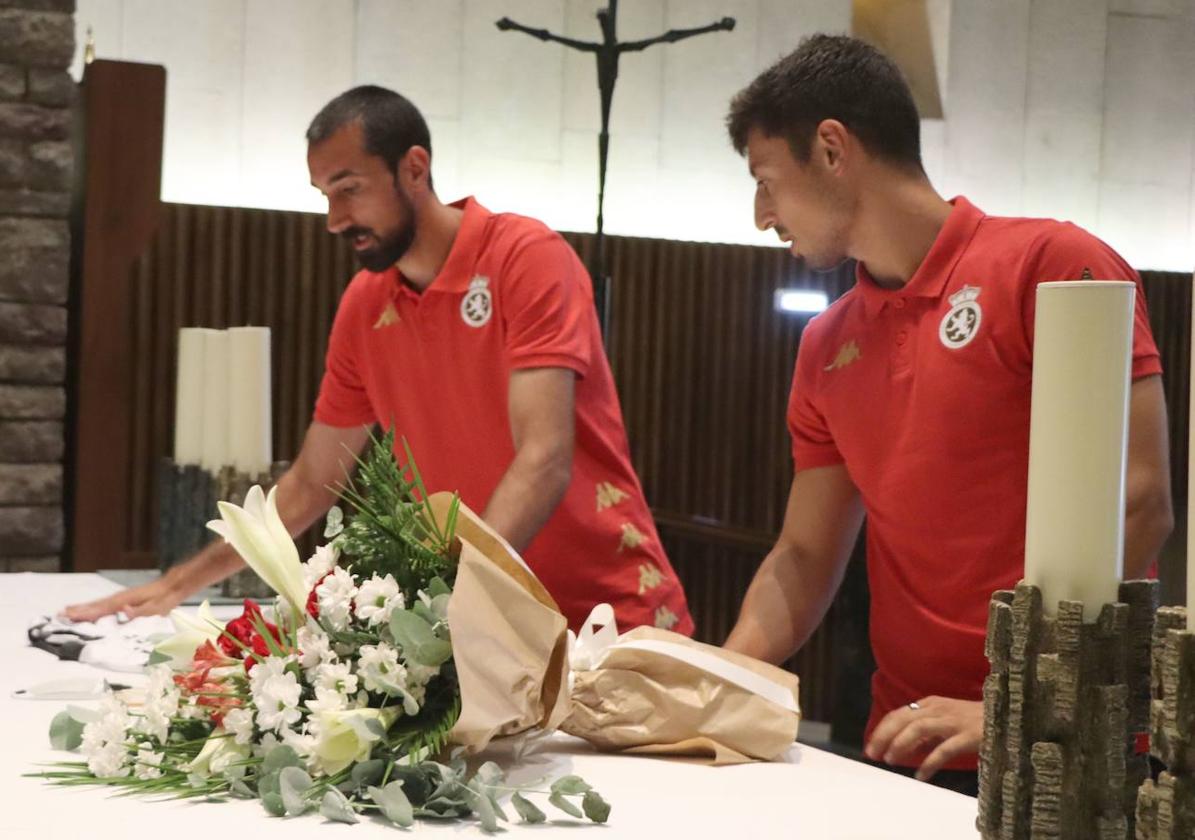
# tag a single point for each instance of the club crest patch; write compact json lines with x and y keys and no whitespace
{"x":961,"y":324}
{"x":477,"y":306}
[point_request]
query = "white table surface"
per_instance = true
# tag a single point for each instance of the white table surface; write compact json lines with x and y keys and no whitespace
{"x":812,"y":794}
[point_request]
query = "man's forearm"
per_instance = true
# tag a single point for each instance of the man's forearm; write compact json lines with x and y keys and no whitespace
{"x":528,"y":493}
{"x":781,"y":610}
{"x":1148,"y":521}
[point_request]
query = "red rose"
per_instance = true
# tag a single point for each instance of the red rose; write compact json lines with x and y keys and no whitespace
{"x":313,"y":599}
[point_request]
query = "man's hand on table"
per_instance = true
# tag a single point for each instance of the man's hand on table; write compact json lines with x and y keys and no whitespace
{"x":951,"y":727}
{"x":154,"y":598}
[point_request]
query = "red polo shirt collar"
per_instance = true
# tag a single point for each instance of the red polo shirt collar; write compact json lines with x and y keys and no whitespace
{"x":930,"y":278}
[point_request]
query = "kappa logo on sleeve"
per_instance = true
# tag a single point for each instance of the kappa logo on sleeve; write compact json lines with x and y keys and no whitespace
{"x":961,"y":324}
{"x":477,"y":306}
{"x":847,"y":354}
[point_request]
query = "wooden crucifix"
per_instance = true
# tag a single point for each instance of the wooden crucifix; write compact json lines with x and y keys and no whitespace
{"x":607,"y":52}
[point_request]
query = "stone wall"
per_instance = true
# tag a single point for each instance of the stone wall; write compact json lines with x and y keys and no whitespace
{"x":37,"y":43}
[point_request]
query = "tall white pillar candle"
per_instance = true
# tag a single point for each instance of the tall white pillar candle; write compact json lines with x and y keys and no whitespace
{"x":215,"y":400}
{"x":188,"y":398}
{"x":249,"y":430}
{"x":1078,"y":433}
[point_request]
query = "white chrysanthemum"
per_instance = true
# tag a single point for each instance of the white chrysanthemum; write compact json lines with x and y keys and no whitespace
{"x":161,"y":703}
{"x":418,"y":676}
{"x":239,"y":723}
{"x":335,"y":597}
{"x":377,"y":598}
{"x":301,"y":742}
{"x":336,"y":676}
{"x":380,"y":669}
{"x":327,"y":700}
{"x":191,"y":710}
{"x":148,"y":764}
{"x":315,"y":648}
{"x":277,"y":701}
{"x":271,"y":666}
{"x":319,"y":565}
{"x":104,"y":740}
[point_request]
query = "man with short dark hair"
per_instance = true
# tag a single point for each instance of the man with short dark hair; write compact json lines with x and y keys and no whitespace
{"x":910,"y":398}
{"x":474,"y":335}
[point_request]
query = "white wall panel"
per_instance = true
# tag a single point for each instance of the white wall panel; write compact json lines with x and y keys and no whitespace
{"x":414,"y":47}
{"x":1149,"y":109}
{"x":783,"y":23}
{"x":512,"y":84}
{"x":985,"y":100}
{"x":298,"y":55}
{"x":700,"y":76}
{"x":202,"y":45}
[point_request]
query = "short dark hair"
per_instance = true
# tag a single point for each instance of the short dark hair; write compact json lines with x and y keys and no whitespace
{"x":831,"y":77}
{"x":390,"y":122}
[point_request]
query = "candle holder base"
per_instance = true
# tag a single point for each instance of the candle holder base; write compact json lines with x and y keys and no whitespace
{"x":1166,"y":807}
{"x":1063,"y":705}
{"x":187,"y":497}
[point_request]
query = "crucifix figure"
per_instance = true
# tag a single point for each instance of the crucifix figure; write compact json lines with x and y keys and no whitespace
{"x":607,"y":52}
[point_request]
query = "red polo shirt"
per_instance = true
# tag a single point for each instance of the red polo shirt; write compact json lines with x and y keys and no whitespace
{"x":923,"y":393}
{"x":511,"y":295}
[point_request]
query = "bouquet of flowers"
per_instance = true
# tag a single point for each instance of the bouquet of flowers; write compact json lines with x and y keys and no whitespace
{"x":345,"y":695}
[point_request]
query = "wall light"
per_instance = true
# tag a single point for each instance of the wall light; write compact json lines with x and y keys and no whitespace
{"x":800,"y":300}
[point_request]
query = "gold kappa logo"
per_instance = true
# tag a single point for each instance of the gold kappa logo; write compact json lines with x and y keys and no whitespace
{"x":848,"y":354}
{"x":388,"y":317}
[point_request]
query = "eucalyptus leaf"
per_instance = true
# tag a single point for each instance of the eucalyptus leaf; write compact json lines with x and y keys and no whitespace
{"x":294,"y":783}
{"x":335,"y":522}
{"x":394,"y":803}
{"x":483,"y":807}
{"x":241,"y":790}
{"x":335,"y":806}
{"x":596,"y":808}
{"x":490,"y":773}
{"x":66,"y":733}
{"x":414,"y":635}
{"x":563,"y":804}
{"x":416,"y":782}
{"x":368,"y":772}
{"x":527,"y":809}
{"x":570,"y":785}
{"x":437,"y":587}
{"x":273,"y":803}
{"x":279,"y":757}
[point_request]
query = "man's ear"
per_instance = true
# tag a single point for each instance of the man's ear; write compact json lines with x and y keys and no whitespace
{"x":414,"y":169}
{"x":831,"y":143}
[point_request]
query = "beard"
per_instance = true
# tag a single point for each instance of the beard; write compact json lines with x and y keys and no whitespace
{"x":390,"y":247}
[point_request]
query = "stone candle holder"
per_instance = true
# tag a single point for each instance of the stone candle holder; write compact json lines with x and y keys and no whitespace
{"x":187,"y":497}
{"x":1064,"y":707}
{"x":1166,"y":807}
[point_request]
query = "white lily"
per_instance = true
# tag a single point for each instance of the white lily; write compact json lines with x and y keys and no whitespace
{"x":257,"y":533}
{"x":346,"y":736}
{"x":190,"y":633}
{"x":219,"y":751}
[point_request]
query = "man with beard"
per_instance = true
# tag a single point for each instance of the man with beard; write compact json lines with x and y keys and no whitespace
{"x":910,"y":398}
{"x":474,"y":335}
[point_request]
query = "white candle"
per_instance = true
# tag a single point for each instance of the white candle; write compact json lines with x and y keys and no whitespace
{"x":249,"y":430}
{"x":188,"y":398}
{"x":215,"y":400}
{"x":1191,"y":482}
{"x":1078,"y":433}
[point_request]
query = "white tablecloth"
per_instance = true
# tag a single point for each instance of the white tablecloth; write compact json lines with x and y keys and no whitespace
{"x":811,"y":795}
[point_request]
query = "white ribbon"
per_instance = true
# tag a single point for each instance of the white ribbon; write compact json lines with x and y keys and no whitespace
{"x":599,"y":636}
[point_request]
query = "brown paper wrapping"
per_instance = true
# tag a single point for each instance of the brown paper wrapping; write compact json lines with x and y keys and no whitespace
{"x":511,"y":650}
{"x":649,"y":702}
{"x":509,"y":639}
